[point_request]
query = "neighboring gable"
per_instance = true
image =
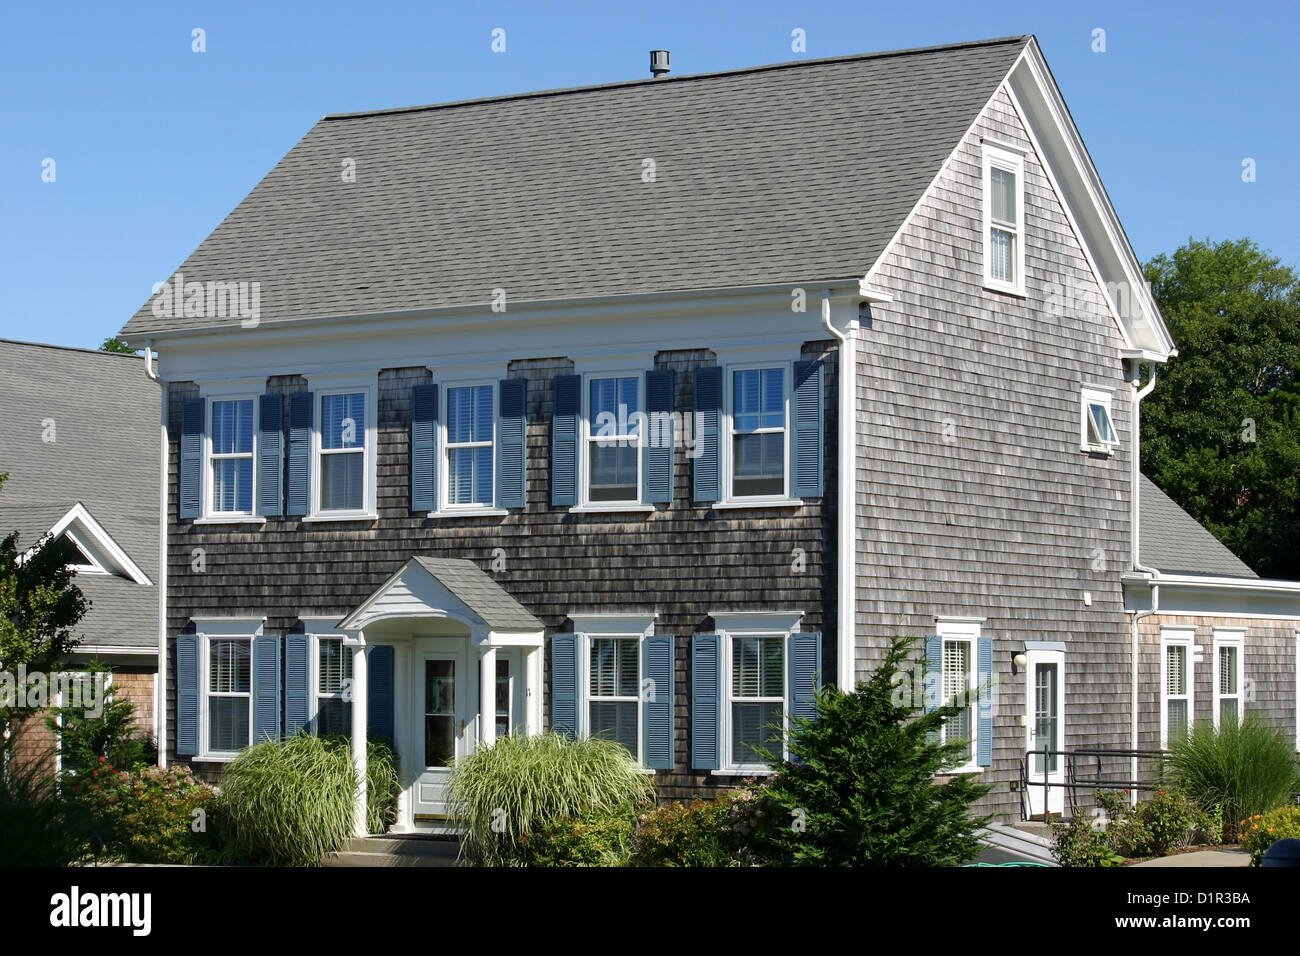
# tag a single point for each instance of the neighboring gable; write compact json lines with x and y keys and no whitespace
{"x":98,"y":552}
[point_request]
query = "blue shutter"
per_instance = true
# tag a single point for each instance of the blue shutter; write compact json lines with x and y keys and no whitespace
{"x":424,"y":453}
{"x":379,"y":692}
{"x":984,"y":674}
{"x":657,"y":659}
{"x":806,"y":444}
{"x":708,"y":426}
{"x":302,"y":414}
{"x":266,"y":688}
{"x":512,"y":436}
{"x":190,"y":480}
{"x":805,"y":672}
{"x":270,"y":455}
{"x":296,"y":664}
{"x":933,"y":678}
{"x":706,"y":701}
{"x":564,"y":439}
{"x":657,"y":470}
{"x":564,"y":684}
{"x":187,"y":695}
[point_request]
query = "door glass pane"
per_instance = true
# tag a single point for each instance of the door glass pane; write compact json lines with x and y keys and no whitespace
{"x":503,"y":698}
{"x":439,"y":713}
{"x":1046,"y":715}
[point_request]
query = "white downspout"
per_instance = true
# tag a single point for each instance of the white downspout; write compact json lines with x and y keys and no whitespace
{"x":846,"y":586}
{"x":1135,"y":537}
{"x":160,"y":687}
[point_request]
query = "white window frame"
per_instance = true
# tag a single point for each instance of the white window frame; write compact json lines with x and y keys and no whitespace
{"x":1186,"y":638}
{"x":1003,"y":158}
{"x":966,"y":632}
{"x":584,"y":454}
{"x":445,"y":447}
{"x":1236,"y":638}
{"x":210,"y":457}
{"x":589,"y":627}
{"x":1094,"y":395}
{"x":223,"y":629}
{"x":316,"y":695}
{"x":728,"y":434}
{"x":758,"y":624}
{"x":323,"y":386}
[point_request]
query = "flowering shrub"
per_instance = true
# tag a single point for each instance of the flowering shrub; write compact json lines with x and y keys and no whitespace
{"x":149,"y":815}
{"x":592,"y":838}
{"x":1168,"y":821}
{"x":700,"y":833}
{"x":1261,"y":831}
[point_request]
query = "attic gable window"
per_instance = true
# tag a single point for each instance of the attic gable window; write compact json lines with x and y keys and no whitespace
{"x":1004,"y":215}
{"x":1097,"y":431}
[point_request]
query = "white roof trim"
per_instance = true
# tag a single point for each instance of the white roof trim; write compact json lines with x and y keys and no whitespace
{"x":97,"y":544}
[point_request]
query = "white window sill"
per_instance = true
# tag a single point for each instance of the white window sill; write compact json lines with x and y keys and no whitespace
{"x":735,"y":772}
{"x":231,"y":519}
{"x":469,"y":513}
{"x":342,"y":517}
{"x":991,"y":286}
{"x":959,"y":771}
{"x":1107,"y":450}
{"x":614,"y":507}
{"x":742,"y":503}
{"x":211,"y":758}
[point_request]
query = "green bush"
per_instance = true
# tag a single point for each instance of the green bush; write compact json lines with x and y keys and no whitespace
{"x":594,"y":838}
{"x":1244,"y":770}
{"x":288,"y":802}
{"x":149,"y":815}
{"x":1079,"y":843}
{"x":112,"y":735}
{"x":37,"y":826}
{"x":382,"y":786}
{"x":1262,"y":830}
{"x":521,"y":783}
{"x":864,"y":792}
{"x":700,"y":833}
{"x":1168,"y":821}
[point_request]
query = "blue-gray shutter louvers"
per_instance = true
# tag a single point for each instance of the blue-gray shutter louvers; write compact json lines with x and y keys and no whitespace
{"x":424,"y":454}
{"x":933,"y":678}
{"x":187,"y":695}
{"x":379,"y":692}
{"x":706,"y":701}
{"x":189,"y":483}
{"x":657,"y":473}
{"x":806,"y":446}
{"x":805,"y":672}
{"x":984,"y":674}
{"x":564,"y":439}
{"x":564,"y":684}
{"x":270,"y":456}
{"x":302,"y":412}
{"x":296,"y":658}
{"x":657,"y":701}
{"x":512,"y":437}
{"x":708,"y":424}
{"x":266,"y":688}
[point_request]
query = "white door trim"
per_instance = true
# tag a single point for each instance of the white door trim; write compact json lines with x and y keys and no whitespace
{"x":1054,"y":800}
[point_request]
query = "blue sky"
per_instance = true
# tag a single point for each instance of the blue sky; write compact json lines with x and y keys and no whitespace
{"x":154,"y":144}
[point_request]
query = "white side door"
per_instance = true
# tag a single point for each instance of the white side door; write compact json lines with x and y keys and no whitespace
{"x":1045,"y":729}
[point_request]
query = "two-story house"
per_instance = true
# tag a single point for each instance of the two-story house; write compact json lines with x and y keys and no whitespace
{"x":607,"y":409}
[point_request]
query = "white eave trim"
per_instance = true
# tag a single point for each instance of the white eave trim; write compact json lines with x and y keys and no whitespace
{"x":1258,"y":585}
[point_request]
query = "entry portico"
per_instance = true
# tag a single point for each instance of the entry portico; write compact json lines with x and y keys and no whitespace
{"x":461,"y":663}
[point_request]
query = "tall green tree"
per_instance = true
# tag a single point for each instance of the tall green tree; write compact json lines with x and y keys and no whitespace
{"x":1221,"y":431}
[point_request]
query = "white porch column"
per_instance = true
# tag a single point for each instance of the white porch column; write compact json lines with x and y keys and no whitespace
{"x":487,"y":696}
{"x":360,"y":683}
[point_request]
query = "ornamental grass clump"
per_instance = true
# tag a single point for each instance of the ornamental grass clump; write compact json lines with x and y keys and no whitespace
{"x":288,"y":803}
{"x":522,"y":783}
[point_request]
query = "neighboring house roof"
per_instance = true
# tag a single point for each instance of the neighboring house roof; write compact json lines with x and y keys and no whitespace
{"x":102,"y":413}
{"x":1175,"y":542}
{"x":788,"y":173}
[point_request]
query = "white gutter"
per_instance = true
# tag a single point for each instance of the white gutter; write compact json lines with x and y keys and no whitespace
{"x":846,"y":582}
{"x":160,"y":686}
{"x":1135,"y":538}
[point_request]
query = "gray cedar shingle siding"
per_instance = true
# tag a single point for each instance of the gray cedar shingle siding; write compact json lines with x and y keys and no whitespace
{"x":560,"y":210}
{"x":1002,"y":521}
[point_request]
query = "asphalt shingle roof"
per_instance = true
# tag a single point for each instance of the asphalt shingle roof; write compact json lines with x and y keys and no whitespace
{"x":481,"y":594}
{"x":1174,"y":541}
{"x":786,"y":173}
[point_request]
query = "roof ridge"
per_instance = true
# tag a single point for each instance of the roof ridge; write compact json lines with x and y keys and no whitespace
{"x":71,"y":348}
{"x":685,"y":77}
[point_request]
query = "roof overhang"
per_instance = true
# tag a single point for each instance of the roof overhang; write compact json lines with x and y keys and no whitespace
{"x":1222,"y":596}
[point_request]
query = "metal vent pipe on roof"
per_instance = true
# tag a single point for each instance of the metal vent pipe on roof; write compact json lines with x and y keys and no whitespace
{"x":658,"y":62}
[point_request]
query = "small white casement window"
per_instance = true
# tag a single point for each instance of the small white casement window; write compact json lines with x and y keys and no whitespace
{"x":1096,"y":430}
{"x":1176,"y":676}
{"x":1004,"y":216}
{"x":333,"y":673}
{"x":228,"y":694}
{"x":468,"y":446}
{"x":613,"y":679}
{"x":755,"y":698}
{"x":613,"y":422}
{"x":1228,"y":676}
{"x":231,"y":461}
{"x":757,"y":459}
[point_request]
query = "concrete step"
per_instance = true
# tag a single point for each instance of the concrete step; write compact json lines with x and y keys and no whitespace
{"x":398,"y":850}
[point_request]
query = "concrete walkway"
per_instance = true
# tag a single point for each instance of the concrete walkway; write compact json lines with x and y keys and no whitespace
{"x":1202,"y":858}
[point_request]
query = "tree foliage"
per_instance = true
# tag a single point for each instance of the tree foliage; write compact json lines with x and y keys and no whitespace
{"x":1221,"y":430}
{"x":114,"y":344}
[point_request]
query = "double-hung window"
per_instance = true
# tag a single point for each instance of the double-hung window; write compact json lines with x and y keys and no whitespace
{"x":959,"y":683}
{"x":756,"y":695}
{"x":1004,"y":215}
{"x":758,"y":454}
{"x":229,"y":694}
{"x":230,"y":457}
{"x":1096,"y":429}
{"x":1228,"y":667}
{"x":1176,"y":675}
{"x":613,"y":680}
{"x":614,"y":427}
{"x":343,"y":447}
{"x":468,"y":445}
{"x":333,"y":687}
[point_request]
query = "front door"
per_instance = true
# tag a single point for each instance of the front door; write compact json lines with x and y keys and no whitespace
{"x":442,"y":700}
{"x":1044,"y":704}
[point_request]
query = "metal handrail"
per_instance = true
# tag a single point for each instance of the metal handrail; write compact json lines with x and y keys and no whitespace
{"x":1072,"y":780}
